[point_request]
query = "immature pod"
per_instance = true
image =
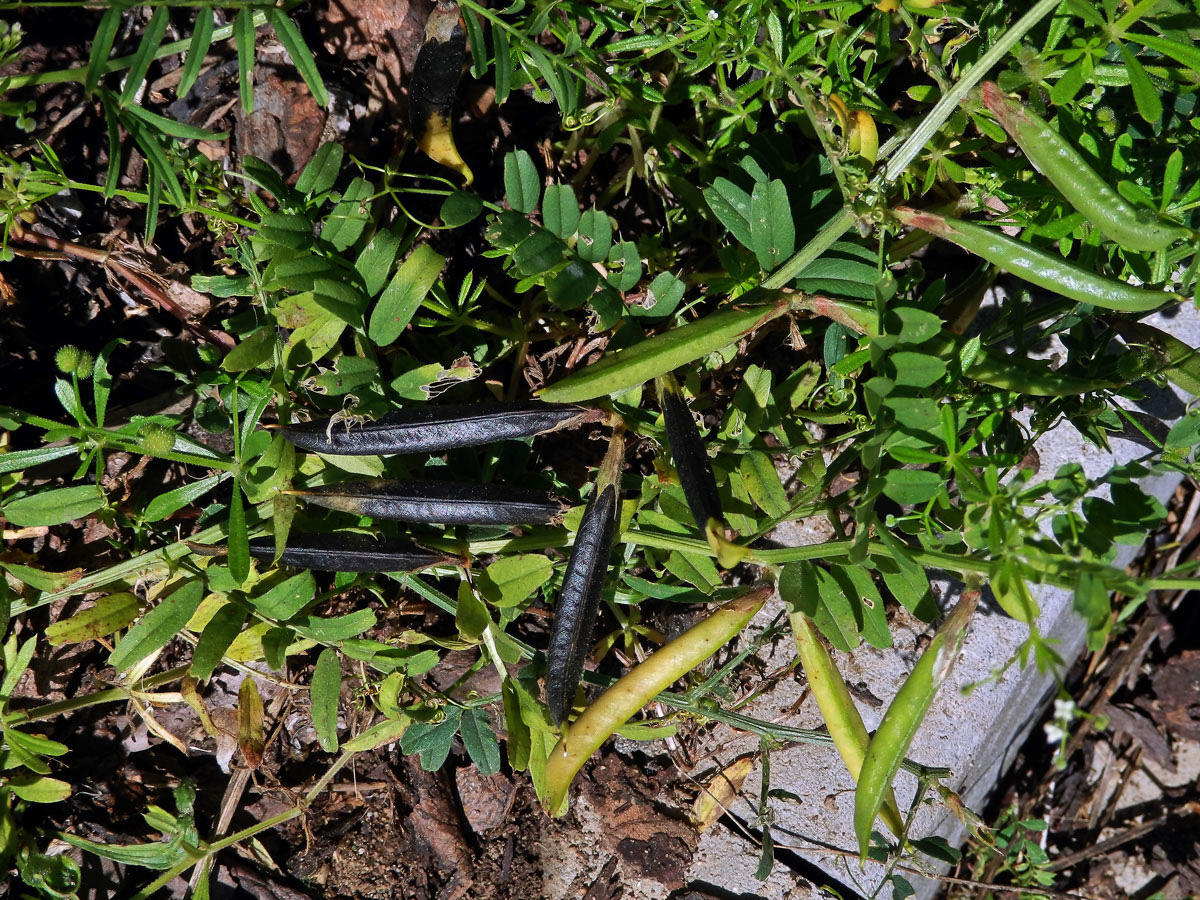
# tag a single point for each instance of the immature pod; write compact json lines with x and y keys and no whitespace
{"x":841,"y":716}
{"x":434,"y":83}
{"x":646,"y":360}
{"x":347,"y":552}
{"x":434,"y":429}
{"x":1036,"y":266}
{"x":904,"y":716}
{"x":445,"y":502}
{"x":583,"y":580}
{"x":1052,"y":155}
{"x":695,"y":470}
{"x":639,"y":686}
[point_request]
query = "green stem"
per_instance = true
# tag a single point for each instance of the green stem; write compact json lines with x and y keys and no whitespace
{"x":163,"y":880}
{"x":822,"y":241}
{"x":916,"y":142}
{"x":154,"y":562}
{"x":51,"y":710}
{"x":946,"y":106}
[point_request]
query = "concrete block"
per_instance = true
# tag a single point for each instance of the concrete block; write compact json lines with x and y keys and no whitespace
{"x":977,"y":734}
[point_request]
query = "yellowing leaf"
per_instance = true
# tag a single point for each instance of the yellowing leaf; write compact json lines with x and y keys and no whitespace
{"x":719,"y":793}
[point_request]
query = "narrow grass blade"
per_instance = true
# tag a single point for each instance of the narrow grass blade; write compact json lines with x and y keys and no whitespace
{"x":174,"y":128}
{"x":145,"y":54}
{"x":243,"y":39}
{"x":102,"y":44}
{"x":113,"y":173}
{"x":293,"y":42}
{"x":445,"y":502}
{"x":434,"y":429}
{"x":346,"y":552}
{"x":202,"y":34}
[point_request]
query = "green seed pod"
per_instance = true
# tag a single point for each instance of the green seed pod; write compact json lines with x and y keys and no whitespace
{"x":1036,"y":266}
{"x":67,"y":358}
{"x":444,"y":502}
{"x":842,"y":718}
{"x":904,"y":716}
{"x":660,"y":670}
{"x":645,"y":361}
{"x":1118,"y":220}
{"x":156,"y":439}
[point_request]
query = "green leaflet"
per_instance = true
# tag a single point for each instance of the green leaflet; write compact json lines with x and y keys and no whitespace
{"x":323,"y":692}
{"x":158,"y":626}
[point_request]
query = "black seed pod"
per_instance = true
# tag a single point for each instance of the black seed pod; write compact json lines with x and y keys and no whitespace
{"x":434,"y":83}
{"x":575,"y":615}
{"x":433,"y":429}
{"x":445,"y":502}
{"x":346,"y":552}
{"x":690,"y":457}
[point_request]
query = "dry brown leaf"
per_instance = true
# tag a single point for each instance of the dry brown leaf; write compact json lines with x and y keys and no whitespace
{"x":720,"y":792}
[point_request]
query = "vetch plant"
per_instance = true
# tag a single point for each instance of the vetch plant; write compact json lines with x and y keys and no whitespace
{"x":723,"y":232}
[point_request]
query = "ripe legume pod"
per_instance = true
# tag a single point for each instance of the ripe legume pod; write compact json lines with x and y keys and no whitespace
{"x":837,"y":707}
{"x":579,"y":599}
{"x":435,"y":78}
{"x":347,"y":552}
{"x":1036,"y":266}
{"x":445,"y":502}
{"x":1053,"y":156}
{"x":690,"y":457}
{"x":617,"y":705}
{"x":904,"y":716}
{"x":434,"y":429}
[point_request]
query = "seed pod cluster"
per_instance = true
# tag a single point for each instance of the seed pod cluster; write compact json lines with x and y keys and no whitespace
{"x":419,"y":430}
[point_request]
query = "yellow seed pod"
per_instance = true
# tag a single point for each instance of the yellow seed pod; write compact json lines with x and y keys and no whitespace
{"x":864,"y":137}
{"x":838,"y":107}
